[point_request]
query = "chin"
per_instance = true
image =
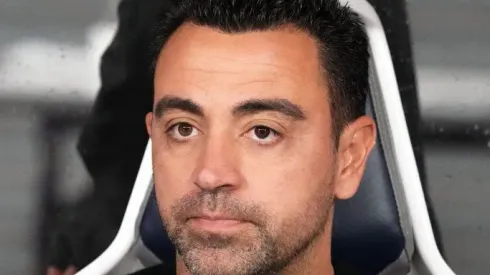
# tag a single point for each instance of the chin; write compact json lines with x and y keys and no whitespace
{"x":218,"y":261}
{"x":236,"y":253}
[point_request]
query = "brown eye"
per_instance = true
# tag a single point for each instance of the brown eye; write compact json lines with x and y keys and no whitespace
{"x":184,"y":129}
{"x":264,"y":135}
{"x":262,"y":132}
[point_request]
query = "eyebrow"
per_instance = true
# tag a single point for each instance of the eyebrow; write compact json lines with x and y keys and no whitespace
{"x":171,"y":102}
{"x":279,"y":105}
{"x":247,"y":107}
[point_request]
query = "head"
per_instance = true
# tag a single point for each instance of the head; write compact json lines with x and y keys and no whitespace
{"x":258,"y":126}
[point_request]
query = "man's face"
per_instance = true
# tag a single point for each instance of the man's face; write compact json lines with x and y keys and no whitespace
{"x":244,"y":161}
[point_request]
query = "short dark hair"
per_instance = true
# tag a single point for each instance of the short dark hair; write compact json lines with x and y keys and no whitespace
{"x":338,"y":30}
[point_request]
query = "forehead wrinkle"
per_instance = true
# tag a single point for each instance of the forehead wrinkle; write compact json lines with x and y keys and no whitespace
{"x":256,"y":76}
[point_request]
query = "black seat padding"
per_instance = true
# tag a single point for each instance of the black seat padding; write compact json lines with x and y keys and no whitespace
{"x":367,"y":234}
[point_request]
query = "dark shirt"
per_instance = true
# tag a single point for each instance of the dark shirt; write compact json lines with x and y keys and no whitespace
{"x":161,"y":269}
{"x":169,"y":269}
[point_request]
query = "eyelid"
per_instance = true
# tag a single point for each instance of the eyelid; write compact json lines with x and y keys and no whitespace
{"x":276,"y":132}
{"x":276,"y":138}
{"x":169,"y":132}
{"x":180,"y":120}
{"x":273,"y":125}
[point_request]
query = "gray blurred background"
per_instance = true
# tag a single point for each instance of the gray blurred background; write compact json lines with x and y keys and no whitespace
{"x":49,"y":57}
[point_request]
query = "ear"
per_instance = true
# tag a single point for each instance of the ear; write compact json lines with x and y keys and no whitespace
{"x":149,"y":122}
{"x":355,"y":143}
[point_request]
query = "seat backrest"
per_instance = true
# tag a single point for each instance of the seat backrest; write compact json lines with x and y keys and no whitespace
{"x":370,"y":231}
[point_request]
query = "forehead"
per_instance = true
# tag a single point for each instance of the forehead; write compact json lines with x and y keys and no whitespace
{"x":275,"y":63}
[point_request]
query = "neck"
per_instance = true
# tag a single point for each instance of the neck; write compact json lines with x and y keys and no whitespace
{"x":181,"y":268}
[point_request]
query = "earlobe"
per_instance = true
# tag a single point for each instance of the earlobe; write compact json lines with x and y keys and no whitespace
{"x":148,"y":122}
{"x":355,"y":145}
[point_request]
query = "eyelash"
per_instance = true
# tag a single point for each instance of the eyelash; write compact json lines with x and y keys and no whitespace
{"x":174,"y":126}
{"x":277,"y":135}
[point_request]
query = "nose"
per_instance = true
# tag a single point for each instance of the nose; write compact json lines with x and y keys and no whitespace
{"x":218,"y":167}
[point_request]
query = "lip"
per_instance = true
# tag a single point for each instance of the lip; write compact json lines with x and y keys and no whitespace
{"x":216,"y":223}
{"x":215,"y":217}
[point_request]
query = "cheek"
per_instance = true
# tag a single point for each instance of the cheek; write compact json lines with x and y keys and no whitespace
{"x":171,"y":177}
{"x":290,"y":183}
